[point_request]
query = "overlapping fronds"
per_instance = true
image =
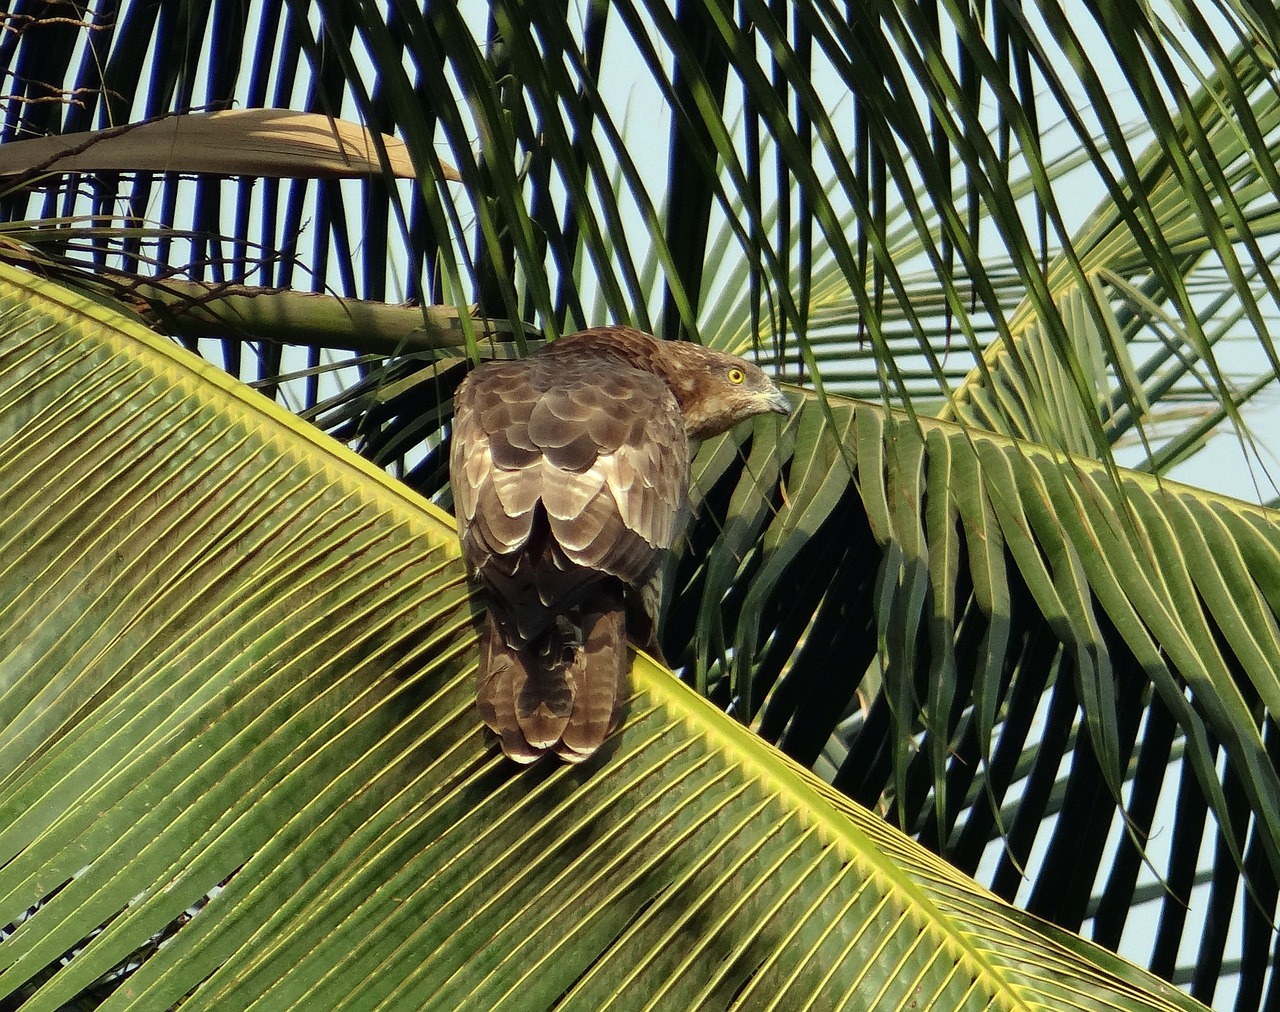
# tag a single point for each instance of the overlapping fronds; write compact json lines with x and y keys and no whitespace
{"x":242,"y":763}
{"x":1050,"y":225}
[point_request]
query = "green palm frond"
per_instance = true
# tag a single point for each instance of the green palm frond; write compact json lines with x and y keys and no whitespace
{"x":969,"y":581}
{"x":237,"y":714}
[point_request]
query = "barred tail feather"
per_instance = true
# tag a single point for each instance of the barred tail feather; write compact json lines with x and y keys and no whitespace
{"x":601,"y":677}
{"x":501,"y":666}
{"x":565,"y":697}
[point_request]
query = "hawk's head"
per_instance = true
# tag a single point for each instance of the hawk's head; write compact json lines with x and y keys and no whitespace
{"x":715,"y":390}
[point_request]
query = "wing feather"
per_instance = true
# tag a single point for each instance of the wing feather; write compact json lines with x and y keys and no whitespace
{"x":565,"y":493}
{"x":600,"y":445}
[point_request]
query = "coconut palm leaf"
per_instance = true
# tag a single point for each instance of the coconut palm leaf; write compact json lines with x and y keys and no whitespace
{"x":989,"y":586}
{"x":237,"y":721}
{"x":975,"y":299}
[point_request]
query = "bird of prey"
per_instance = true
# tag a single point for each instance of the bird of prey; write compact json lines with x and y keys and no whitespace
{"x":570,"y":475}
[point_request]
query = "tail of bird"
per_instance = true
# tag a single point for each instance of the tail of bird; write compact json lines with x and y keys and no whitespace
{"x":561,"y":693}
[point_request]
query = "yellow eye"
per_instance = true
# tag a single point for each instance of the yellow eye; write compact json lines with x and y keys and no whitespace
{"x":736,"y":375}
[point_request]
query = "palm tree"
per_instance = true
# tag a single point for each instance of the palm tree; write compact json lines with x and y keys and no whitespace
{"x":1036,"y":673}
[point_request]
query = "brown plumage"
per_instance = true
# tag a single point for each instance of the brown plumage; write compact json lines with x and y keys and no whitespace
{"x":570,"y":473}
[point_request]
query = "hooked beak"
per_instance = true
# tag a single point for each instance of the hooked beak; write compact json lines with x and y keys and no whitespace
{"x":778,"y":402}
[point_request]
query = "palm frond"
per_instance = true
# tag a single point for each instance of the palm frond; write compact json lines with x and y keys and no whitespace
{"x":975,"y":581}
{"x":238,"y":714}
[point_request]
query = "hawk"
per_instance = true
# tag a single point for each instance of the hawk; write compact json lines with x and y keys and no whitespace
{"x":570,"y":475}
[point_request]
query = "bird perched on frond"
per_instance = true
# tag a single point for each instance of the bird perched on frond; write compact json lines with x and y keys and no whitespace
{"x":570,"y":474}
